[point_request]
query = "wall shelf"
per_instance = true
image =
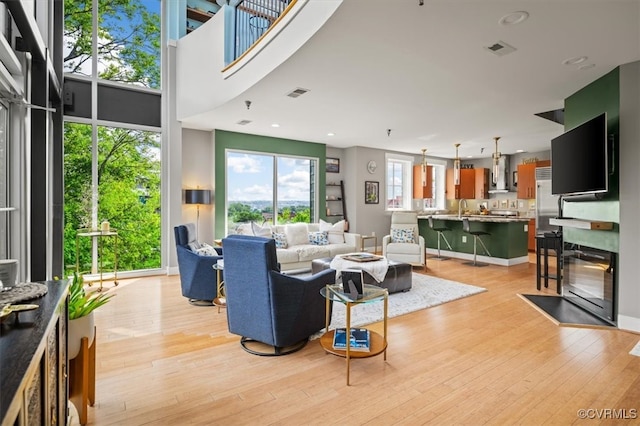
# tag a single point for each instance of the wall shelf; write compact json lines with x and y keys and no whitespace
{"x":582,"y":224}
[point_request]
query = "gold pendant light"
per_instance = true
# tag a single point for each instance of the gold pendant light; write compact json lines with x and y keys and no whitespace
{"x":456,"y":167}
{"x":496,"y":162}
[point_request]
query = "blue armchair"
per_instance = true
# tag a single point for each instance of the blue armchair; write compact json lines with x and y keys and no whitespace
{"x":267,"y":307}
{"x":197,"y":276}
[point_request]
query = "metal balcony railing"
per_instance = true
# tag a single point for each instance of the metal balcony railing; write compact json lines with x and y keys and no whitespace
{"x":253,"y":18}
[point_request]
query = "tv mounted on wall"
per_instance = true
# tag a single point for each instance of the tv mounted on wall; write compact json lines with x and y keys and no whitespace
{"x":579,"y":159}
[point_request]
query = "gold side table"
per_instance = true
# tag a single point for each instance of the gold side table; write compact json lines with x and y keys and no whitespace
{"x":363,"y":238}
{"x":99,"y":235}
{"x":378,"y":343}
{"x":220,"y":301}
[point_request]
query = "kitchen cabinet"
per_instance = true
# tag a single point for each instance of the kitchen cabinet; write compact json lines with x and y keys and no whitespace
{"x":420,"y":190}
{"x":481,"y":184}
{"x":532,"y":235}
{"x":527,"y":178}
{"x":466,"y":189}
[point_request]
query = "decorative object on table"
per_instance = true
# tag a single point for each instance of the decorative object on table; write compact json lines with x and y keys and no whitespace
{"x":9,"y":309}
{"x":197,"y":276}
{"x":399,"y":248}
{"x":274,"y":313}
{"x":8,"y":273}
{"x":197,"y":197}
{"x":371,"y":192}
{"x":352,"y":281}
{"x":361,"y":257}
{"x":333,"y":165}
{"x":359,"y":339}
{"x":21,"y":292}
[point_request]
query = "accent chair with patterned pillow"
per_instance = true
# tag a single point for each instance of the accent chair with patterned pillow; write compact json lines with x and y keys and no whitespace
{"x":404,"y":242}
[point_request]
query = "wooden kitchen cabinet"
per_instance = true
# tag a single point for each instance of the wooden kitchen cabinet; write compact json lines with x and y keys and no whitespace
{"x":532,"y":235}
{"x":420,"y":190}
{"x":482,"y":184}
{"x":467,"y":187}
{"x":527,"y":178}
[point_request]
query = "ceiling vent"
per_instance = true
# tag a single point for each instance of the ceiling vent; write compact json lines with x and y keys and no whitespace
{"x":297,"y":92}
{"x":243,"y":122}
{"x":500,"y":48}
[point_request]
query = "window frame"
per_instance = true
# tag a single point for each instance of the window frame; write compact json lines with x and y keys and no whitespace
{"x":406,"y":184}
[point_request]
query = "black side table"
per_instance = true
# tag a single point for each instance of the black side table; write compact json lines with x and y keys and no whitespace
{"x":544,"y":243}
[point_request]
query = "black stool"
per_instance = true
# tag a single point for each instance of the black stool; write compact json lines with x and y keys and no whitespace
{"x":544,"y":243}
{"x":440,"y":230}
{"x":476,"y":238}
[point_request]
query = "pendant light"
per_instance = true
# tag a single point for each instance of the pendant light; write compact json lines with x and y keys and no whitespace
{"x":496,"y":162}
{"x":456,"y":167}
{"x":424,"y":167}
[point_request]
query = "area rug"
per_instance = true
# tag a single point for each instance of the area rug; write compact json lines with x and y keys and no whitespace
{"x":426,"y":291}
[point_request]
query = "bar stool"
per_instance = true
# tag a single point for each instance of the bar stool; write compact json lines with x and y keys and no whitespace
{"x":440,"y":230}
{"x":476,"y":237}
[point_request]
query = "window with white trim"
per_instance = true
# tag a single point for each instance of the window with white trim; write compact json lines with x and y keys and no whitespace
{"x":398,"y":182}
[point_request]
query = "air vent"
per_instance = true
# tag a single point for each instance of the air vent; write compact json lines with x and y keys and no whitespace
{"x":297,"y":92}
{"x":243,"y":122}
{"x":500,"y":48}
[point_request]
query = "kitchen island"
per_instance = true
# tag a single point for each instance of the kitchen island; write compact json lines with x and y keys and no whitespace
{"x":508,"y":242}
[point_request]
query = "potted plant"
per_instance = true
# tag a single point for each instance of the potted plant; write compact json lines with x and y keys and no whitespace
{"x":81,"y":307}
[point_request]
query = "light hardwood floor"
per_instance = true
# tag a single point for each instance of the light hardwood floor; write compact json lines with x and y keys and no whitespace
{"x":486,"y":359}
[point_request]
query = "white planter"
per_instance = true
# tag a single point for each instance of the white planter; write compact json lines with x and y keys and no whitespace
{"x":79,"y":328}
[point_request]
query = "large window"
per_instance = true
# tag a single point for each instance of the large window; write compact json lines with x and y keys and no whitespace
{"x":266,"y":188}
{"x":399,"y":182}
{"x":121,"y":184}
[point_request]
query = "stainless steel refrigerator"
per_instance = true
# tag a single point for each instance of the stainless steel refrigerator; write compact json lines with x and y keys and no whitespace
{"x":546,"y":204}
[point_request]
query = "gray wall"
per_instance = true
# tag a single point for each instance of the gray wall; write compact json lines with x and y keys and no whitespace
{"x":628,"y":284}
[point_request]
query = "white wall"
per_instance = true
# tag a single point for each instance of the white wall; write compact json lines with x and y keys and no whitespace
{"x":628,"y":285}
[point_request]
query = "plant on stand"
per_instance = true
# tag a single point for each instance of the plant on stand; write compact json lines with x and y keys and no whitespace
{"x":81,"y":307}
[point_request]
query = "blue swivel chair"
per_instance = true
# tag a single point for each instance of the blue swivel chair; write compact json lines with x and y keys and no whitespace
{"x":197,"y":276}
{"x":274,"y":313}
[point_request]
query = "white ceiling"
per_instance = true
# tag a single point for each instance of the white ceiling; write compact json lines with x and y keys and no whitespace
{"x":424,"y":73}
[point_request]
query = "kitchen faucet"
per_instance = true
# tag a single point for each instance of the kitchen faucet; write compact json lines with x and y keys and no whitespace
{"x":460,"y":206}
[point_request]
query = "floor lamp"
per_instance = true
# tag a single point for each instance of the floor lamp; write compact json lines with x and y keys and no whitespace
{"x":197,"y":197}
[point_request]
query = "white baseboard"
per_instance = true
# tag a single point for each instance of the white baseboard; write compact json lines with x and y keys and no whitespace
{"x":629,"y":323}
{"x":484,"y":259}
{"x":173,"y":270}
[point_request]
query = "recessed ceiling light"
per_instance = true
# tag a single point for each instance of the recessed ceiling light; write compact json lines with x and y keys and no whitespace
{"x":469,"y":156}
{"x":519,"y":150}
{"x":331,"y":134}
{"x":575,"y":61}
{"x":275,"y":125}
{"x":514,"y":18}
{"x":586,"y":66}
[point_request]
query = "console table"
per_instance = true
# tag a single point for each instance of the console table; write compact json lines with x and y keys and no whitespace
{"x":377,"y":342}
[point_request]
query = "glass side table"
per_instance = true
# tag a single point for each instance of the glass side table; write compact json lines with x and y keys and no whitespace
{"x":377,"y":342}
{"x":220,"y":301}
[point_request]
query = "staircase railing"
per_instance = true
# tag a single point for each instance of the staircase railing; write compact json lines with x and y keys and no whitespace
{"x":252,"y":21}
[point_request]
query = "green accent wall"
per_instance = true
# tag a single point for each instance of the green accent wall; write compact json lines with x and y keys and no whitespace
{"x":603,"y":95}
{"x":225,"y":140}
{"x":508,"y":240}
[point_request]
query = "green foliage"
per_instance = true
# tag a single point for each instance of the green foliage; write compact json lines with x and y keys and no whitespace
{"x":128,"y":40}
{"x":239,"y":213}
{"x":81,"y":304}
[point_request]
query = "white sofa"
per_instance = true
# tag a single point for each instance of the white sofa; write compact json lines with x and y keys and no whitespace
{"x":298,"y":251}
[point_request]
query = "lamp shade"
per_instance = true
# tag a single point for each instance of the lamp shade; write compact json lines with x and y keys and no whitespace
{"x":197,"y":196}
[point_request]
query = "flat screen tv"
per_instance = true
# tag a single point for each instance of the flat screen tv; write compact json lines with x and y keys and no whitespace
{"x":579,"y":160}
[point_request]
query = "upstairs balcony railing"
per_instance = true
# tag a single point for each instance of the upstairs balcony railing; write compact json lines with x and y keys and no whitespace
{"x":252,"y":19}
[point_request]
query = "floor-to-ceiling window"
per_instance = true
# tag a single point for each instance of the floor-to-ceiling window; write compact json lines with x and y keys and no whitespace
{"x":113,"y":130}
{"x":266,"y":188}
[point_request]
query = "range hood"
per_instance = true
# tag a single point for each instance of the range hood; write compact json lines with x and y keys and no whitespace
{"x":501,"y":186}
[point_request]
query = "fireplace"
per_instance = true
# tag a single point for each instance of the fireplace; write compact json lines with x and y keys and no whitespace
{"x":589,"y":280}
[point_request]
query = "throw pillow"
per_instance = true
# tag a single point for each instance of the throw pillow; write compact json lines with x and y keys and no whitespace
{"x":335,"y":231}
{"x":194,"y":246}
{"x":281,"y":239}
{"x":261,"y":231}
{"x":403,"y":235}
{"x":319,"y":238}
{"x":297,"y":234}
{"x":206,"y":250}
